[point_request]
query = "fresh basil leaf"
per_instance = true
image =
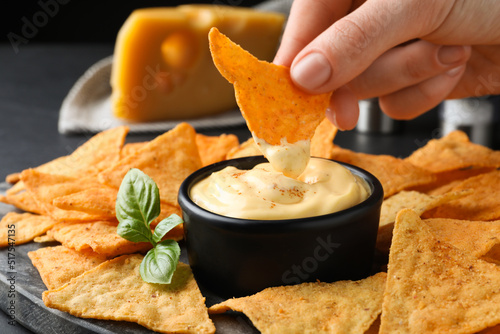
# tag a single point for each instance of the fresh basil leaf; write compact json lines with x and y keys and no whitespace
{"x":165,"y":226}
{"x":159,"y":264}
{"x":130,"y":230}
{"x":137,"y":205}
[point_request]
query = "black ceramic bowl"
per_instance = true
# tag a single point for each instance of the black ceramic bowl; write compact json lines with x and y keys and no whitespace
{"x":237,"y":257}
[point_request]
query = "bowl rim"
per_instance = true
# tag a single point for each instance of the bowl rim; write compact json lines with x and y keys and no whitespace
{"x":240,"y":224}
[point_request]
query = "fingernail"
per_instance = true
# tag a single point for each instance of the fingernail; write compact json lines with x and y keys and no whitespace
{"x":448,"y":55}
{"x":455,"y":71}
{"x":332,"y":117}
{"x":312,"y":71}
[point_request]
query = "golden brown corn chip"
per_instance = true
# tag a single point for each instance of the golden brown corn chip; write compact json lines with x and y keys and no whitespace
{"x":114,"y":290}
{"x":433,"y":287}
{"x":45,"y":188}
{"x":447,"y":180}
{"x":13,"y":178}
{"x":482,"y":204}
{"x":99,"y":201}
{"x":414,"y":200}
{"x":57,"y":265}
{"x":475,"y":237}
{"x":168,"y":160}
{"x":22,"y":199}
{"x":246,"y":149}
{"x":453,"y":151}
{"x":99,"y":236}
{"x":91,"y":157}
{"x":322,"y":141}
{"x":340,"y":307}
{"x":394,"y":174}
{"x":20,"y":228}
{"x":131,"y":148}
{"x":273,"y":107}
{"x":215,"y":148}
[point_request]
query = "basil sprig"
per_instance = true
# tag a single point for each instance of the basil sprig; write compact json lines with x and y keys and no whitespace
{"x":137,"y":205}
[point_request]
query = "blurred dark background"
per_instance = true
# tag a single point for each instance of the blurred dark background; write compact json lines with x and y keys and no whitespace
{"x":26,"y":21}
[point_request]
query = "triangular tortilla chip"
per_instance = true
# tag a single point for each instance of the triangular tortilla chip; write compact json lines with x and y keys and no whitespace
{"x":100,"y":236}
{"x":246,"y":149}
{"x":322,"y":141}
{"x":22,"y":199}
{"x":433,"y":287}
{"x":45,"y":188}
{"x":215,"y":148}
{"x":482,"y":204}
{"x":395,"y":174}
{"x":20,"y":228}
{"x":13,"y":178}
{"x":57,"y":265}
{"x":475,"y":237}
{"x":273,"y":107}
{"x":340,"y":307}
{"x":91,"y":157}
{"x":101,"y":202}
{"x":168,"y":160}
{"x":114,"y":290}
{"x":98,"y":201}
{"x":414,"y":200}
{"x":131,"y":148}
{"x":453,"y":151}
{"x":447,"y":180}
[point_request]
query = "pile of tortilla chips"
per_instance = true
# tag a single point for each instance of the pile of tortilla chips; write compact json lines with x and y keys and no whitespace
{"x":439,"y":235}
{"x":71,"y":200}
{"x":443,"y":273}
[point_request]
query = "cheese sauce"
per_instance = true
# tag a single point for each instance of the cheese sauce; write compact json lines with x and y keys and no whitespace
{"x":267,"y":194}
{"x":290,"y":159}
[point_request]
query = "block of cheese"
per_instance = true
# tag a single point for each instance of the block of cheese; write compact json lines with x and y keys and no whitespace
{"x":162,"y":68}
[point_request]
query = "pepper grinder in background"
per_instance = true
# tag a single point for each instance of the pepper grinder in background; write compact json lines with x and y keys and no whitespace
{"x":373,"y":120}
{"x":475,"y":116}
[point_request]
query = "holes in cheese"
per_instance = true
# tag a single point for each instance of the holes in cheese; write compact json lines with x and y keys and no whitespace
{"x":180,"y":50}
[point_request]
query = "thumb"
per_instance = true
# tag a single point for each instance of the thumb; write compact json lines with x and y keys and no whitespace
{"x":351,"y":44}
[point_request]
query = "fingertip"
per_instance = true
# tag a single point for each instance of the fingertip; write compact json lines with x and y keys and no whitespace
{"x":343,"y":111}
{"x":283,"y":58}
{"x":311,"y":72}
{"x":449,"y":55}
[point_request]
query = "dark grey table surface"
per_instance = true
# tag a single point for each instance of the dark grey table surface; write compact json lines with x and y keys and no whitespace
{"x":33,"y":83}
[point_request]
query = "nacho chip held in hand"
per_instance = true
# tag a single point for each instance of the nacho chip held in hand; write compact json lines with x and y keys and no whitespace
{"x":276,"y":111}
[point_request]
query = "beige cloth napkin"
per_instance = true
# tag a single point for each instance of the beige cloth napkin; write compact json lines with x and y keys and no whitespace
{"x":87,"y":107}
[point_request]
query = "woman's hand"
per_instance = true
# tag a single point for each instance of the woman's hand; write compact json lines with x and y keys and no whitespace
{"x":411,"y":54}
